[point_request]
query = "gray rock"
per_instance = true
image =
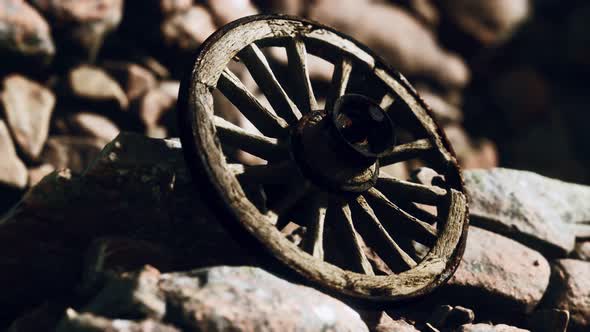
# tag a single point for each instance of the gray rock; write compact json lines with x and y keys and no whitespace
{"x":87,"y":322}
{"x":570,"y":290}
{"x":498,"y":272}
{"x":95,"y":85}
{"x":27,"y":107}
{"x":250,"y":299}
{"x":24,"y":33}
{"x":527,"y":207}
{"x":130,"y":295}
{"x":490,"y":328}
{"x":13,"y":172}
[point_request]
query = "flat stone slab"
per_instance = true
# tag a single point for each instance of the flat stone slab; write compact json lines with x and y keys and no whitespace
{"x":543,"y":213}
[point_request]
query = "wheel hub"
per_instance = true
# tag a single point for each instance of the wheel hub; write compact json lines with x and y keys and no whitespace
{"x":339,"y":149}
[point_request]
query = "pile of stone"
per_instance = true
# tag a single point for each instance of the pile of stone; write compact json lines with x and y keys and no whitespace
{"x":75,"y":73}
{"x":98,"y":251}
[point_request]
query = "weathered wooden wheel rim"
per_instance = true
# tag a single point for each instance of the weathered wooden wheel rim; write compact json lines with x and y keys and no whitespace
{"x":208,"y":164}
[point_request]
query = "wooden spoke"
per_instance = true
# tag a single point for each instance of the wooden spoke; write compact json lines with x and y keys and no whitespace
{"x":368,"y":211}
{"x":386,"y":101}
{"x":266,"y":121}
{"x":260,"y":70}
{"x":411,"y":191}
{"x":422,"y":231}
{"x":291,"y":196}
{"x":406,"y":151}
{"x":314,"y":242}
{"x":260,"y":146}
{"x":348,"y":241}
{"x":340,"y":78}
{"x":277,"y":173}
{"x":303,"y":91}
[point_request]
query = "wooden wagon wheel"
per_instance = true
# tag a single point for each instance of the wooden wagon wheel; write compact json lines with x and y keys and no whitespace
{"x":322,"y":203}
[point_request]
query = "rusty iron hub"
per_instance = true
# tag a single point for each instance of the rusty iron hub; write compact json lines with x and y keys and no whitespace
{"x":339,"y":149}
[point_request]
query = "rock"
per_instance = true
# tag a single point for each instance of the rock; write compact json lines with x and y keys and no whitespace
{"x":27,"y":107}
{"x":385,"y":323}
{"x":13,"y":172}
{"x":186,"y":30}
{"x":552,"y":320}
{"x":250,"y":299}
{"x":71,"y":152}
{"x":496,"y":272}
{"x":83,"y":23}
{"x":394,"y":34}
{"x":133,"y":78}
{"x":157,"y":104}
{"x":110,"y":255}
{"x":92,"y":125}
{"x":582,"y":251}
{"x":527,"y":207}
{"x":226,"y":11}
{"x":24,"y":33}
{"x":85,"y":322}
{"x":490,"y":22}
{"x":570,"y":290}
{"x":36,"y":174}
{"x":490,"y":328}
{"x":130,"y":295}
{"x":95,"y":85}
{"x":440,"y":314}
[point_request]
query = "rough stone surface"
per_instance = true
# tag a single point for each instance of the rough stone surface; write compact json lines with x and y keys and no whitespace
{"x":13,"y":172}
{"x":528,"y":207}
{"x":570,"y":290}
{"x":71,"y":152}
{"x":490,"y":328}
{"x":23,"y":32}
{"x":250,"y":299}
{"x":94,"y":84}
{"x":498,"y":272}
{"x":27,"y":107}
